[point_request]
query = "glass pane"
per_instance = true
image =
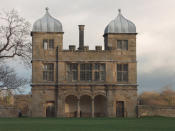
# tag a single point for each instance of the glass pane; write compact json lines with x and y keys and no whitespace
{"x":97,"y":76}
{"x":74,"y":66}
{"x":51,"y":43}
{"x":50,"y":76}
{"x":97,"y":66}
{"x":119,"y":67}
{"x":45,"y":44}
{"x":69,"y":76}
{"x":82,"y":67}
{"x":125,"y":45}
{"x":44,"y":75}
{"x":50,"y":66}
{"x":68,"y":67}
{"x":125,"y":76}
{"x":119,"y":44}
{"x":125,"y":67}
{"x":102,"y":67}
{"x":82,"y":75}
{"x":75,"y":75}
{"x":72,"y":72}
{"x":102,"y":75}
{"x":119,"y":76}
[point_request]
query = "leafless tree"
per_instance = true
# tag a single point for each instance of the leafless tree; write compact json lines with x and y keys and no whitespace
{"x":10,"y":81}
{"x":14,"y":36}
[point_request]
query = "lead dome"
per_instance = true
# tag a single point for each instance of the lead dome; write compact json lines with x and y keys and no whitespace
{"x":47,"y":24}
{"x":120,"y":25}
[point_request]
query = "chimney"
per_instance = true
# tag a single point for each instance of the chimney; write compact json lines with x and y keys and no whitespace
{"x":81,"y":37}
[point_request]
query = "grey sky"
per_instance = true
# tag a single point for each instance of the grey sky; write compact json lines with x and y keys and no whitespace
{"x":155,"y":21}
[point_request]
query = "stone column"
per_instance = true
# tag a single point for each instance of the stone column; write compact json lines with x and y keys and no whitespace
{"x":78,"y":108}
{"x":93,"y":108}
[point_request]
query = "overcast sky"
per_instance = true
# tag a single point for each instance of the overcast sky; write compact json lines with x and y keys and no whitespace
{"x":154,"y":19}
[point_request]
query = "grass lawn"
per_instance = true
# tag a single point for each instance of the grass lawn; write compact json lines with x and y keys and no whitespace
{"x":85,"y":124}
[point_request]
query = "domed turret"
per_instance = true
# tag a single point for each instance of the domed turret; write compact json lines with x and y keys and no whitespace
{"x":47,"y":24}
{"x":120,"y":25}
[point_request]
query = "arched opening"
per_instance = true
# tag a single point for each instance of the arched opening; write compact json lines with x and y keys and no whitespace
{"x":85,"y":106}
{"x":100,"y":106}
{"x":50,"y":109}
{"x":71,"y":106}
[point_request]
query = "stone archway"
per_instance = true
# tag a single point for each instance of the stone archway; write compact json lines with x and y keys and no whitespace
{"x":71,"y":106}
{"x":85,"y":106}
{"x":50,"y":109}
{"x":100,"y":106}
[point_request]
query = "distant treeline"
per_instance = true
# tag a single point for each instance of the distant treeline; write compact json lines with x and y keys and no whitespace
{"x":164,"y":98}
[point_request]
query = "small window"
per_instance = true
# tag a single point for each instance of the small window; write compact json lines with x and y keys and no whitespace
{"x":45,"y":44}
{"x":125,"y":45}
{"x":51,"y":44}
{"x":48,"y":44}
{"x":48,"y":72}
{"x":99,"y":72}
{"x":122,"y":72}
{"x":72,"y":72}
{"x":119,"y":44}
{"x":85,"y":72}
{"x":122,"y":44}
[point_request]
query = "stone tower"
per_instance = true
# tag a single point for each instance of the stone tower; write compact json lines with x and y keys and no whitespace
{"x":47,"y":40}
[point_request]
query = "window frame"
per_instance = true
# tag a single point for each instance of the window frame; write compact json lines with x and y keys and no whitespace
{"x":121,"y":45}
{"x":86,"y":71}
{"x":48,"y":72}
{"x":101,"y":72}
{"x":71,"y":71}
{"x":122,"y":72}
{"x":50,"y":44}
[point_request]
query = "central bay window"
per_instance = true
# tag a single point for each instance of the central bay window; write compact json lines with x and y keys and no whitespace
{"x":72,"y":72}
{"x":48,"y":72}
{"x":99,"y":72}
{"x":122,"y":72}
{"x":85,"y":72}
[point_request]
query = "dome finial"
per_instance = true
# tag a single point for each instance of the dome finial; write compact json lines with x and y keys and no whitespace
{"x":47,"y":9}
{"x":119,"y":10}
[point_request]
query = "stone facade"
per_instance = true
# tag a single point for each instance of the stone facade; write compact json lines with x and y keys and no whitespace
{"x":83,"y":98}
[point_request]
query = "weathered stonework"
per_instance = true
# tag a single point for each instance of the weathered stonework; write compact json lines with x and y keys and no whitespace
{"x":84,"y":95}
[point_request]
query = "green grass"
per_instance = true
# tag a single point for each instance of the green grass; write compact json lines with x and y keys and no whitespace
{"x":85,"y":124}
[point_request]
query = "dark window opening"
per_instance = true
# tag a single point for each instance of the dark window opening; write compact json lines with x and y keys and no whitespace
{"x":72,"y":72}
{"x":122,"y":72}
{"x":99,"y":72}
{"x":85,"y":72}
{"x":122,"y":44}
{"x":48,"y":72}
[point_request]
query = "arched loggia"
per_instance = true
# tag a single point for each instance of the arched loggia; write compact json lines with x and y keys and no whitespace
{"x":100,"y":106}
{"x":85,"y":106}
{"x":71,"y":106}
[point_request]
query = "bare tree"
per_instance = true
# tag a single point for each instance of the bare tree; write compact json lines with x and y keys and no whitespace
{"x":15,"y":36}
{"x":10,"y":81}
